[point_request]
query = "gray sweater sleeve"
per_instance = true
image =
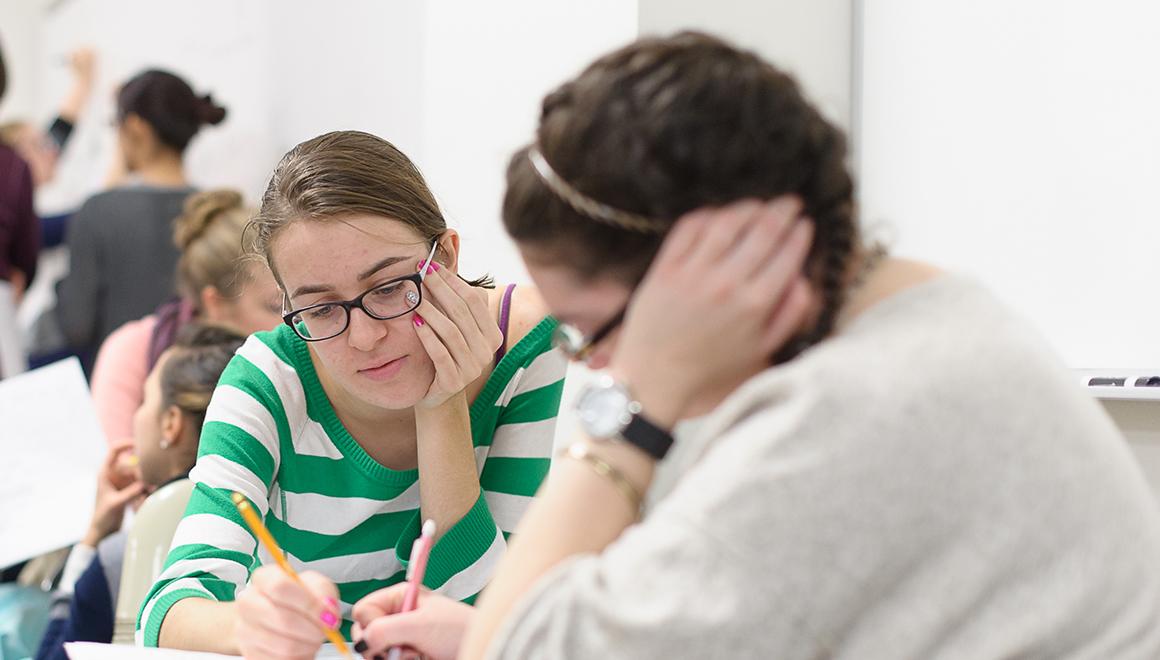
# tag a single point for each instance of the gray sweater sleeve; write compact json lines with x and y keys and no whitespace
{"x":78,"y":294}
{"x":616,"y":605}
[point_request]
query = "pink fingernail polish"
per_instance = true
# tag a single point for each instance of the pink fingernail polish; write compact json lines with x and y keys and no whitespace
{"x":434,"y":266}
{"x":328,"y":619}
{"x":418,"y":321}
{"x":332,"y":603}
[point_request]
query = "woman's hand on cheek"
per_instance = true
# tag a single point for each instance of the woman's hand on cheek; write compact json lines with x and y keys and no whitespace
{"x":279,"y":618}
{"x":456,"y":328}
{"x":724,"y":293}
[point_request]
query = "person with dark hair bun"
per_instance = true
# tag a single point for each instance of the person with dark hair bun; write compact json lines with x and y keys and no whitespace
{"x":888,"y":462}
{"x":122,"y":255}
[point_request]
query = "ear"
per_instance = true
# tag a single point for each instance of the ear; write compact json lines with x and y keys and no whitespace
{"x":172,"y":427}
{"x":447,"y":254}
{"x":136,"y":129}
{"x":213,"y":303}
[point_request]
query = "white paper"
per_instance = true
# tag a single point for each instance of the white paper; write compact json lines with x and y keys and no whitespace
{"x":51,"y":447}
{"x":94,"y":651}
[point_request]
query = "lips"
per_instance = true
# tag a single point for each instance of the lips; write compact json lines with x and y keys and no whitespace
{"x":385,"y":370}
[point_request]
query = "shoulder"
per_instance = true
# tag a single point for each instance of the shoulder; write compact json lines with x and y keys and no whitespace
{"x":268,"y":362}
{"x":131,"y":336}
{"x":527,"y":310}
{"x":125,"y":350}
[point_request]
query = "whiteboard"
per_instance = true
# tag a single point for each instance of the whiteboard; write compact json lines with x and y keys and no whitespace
{"x":1019,"y":142}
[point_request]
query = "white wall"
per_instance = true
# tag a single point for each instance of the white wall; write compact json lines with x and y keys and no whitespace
{"x":487,"y":65}
{"x":19,"y":34}
{"x":1018,"y":142}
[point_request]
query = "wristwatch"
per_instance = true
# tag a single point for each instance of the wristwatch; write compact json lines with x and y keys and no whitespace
{"x":607,"y":411}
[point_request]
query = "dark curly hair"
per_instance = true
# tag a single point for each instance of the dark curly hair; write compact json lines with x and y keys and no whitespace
{"x":667,"y":125}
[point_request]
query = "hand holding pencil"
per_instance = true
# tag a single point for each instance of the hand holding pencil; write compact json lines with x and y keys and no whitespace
{"x":408,"y":615}
{"x":283,"y":614}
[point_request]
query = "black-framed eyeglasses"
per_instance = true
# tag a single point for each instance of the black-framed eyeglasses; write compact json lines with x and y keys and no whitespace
{"x":385,"y":301}
{"x":572,"y":343}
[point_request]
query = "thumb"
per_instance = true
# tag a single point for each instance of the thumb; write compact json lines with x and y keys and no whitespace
{"x":123,"y":496}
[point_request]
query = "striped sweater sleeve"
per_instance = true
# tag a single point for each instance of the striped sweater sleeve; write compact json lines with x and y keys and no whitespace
{"x":512,"y":466}
{"x":213,"y":552}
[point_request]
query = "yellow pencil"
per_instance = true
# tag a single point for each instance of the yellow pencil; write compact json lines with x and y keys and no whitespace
{"x":264,"y":537}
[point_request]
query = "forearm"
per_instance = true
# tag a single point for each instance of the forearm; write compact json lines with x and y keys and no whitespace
{"x":448,"y":480}
{"x":550,"y":532}
{"x":199,"y":624}
{"x":74,"y":103}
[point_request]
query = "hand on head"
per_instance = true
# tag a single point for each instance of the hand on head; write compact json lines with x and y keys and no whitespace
{"x":726,"y":291}
{"x":457,"y":330}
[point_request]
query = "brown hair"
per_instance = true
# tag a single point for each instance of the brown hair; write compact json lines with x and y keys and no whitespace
{"x":344,"y":173}
{"x":209,"y":235}
{"x":169,"y":105}
{"x":191,"y":373}
{"x":667,"y":125}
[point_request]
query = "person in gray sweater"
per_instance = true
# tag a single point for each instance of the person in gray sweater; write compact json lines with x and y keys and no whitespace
{"x":121,"y":250}
{"x":877,"y":459}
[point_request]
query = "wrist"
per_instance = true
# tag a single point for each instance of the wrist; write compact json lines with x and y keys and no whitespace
{"x":452,"y":405}
{"x":92,"y":537}
{"x":661,"y":403}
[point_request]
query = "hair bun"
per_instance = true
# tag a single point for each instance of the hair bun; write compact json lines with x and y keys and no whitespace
{"x":201,"y":209}
{"x":209,"y":112}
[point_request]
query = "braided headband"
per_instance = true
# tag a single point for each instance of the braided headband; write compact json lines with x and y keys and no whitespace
{"x":585,"y":205}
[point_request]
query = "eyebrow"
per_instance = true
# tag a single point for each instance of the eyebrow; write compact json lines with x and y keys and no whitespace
{"x":365,"y":275}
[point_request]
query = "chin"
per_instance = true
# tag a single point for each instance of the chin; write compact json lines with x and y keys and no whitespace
{"x":400,"y":393}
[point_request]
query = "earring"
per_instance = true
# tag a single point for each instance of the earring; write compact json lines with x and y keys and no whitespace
{"x":164,"y":443}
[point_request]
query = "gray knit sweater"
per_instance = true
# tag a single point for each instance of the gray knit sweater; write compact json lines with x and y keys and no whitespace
{"x":928,"y":484}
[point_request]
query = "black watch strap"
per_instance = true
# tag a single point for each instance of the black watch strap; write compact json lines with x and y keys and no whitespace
{"x":648,"y":437}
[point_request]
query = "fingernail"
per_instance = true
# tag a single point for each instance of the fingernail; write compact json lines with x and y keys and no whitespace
{"x":360,"y":646}
{"x":328,"y":618}
{"x":434,"y":266}
{"x":418,"y":321}
{"x":330,"y":600}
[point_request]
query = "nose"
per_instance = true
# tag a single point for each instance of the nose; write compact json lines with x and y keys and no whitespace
{"x":364,"y":332}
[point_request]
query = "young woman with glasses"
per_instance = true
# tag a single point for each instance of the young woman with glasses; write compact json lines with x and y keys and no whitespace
{"x":394,"y":392}
{"x":889,"y":464}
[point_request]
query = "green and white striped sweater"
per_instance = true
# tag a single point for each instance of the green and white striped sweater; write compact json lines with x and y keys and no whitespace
{"x":271,"y":434}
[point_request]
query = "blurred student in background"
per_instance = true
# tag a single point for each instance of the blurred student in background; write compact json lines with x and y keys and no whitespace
{"x":217,"y":283}
{"x":122,"y":255}
{"x":19,"y":246}
{"x":166,"y":428}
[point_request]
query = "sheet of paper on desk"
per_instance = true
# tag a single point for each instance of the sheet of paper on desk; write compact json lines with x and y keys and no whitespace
{"x":51,"y":447}
{"x":94,"y":651}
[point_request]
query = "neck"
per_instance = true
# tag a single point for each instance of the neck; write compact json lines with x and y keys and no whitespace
{"x":164,"y":169}
{"x":889,"y":277}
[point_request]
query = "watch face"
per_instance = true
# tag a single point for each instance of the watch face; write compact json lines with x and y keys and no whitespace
{"x":603,"y":411}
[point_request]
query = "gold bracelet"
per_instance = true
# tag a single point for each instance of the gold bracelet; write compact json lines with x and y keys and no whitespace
{"x":581,"y":452}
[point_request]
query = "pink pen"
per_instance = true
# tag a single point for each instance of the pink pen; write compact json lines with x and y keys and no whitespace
{"x":415,"y":571}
